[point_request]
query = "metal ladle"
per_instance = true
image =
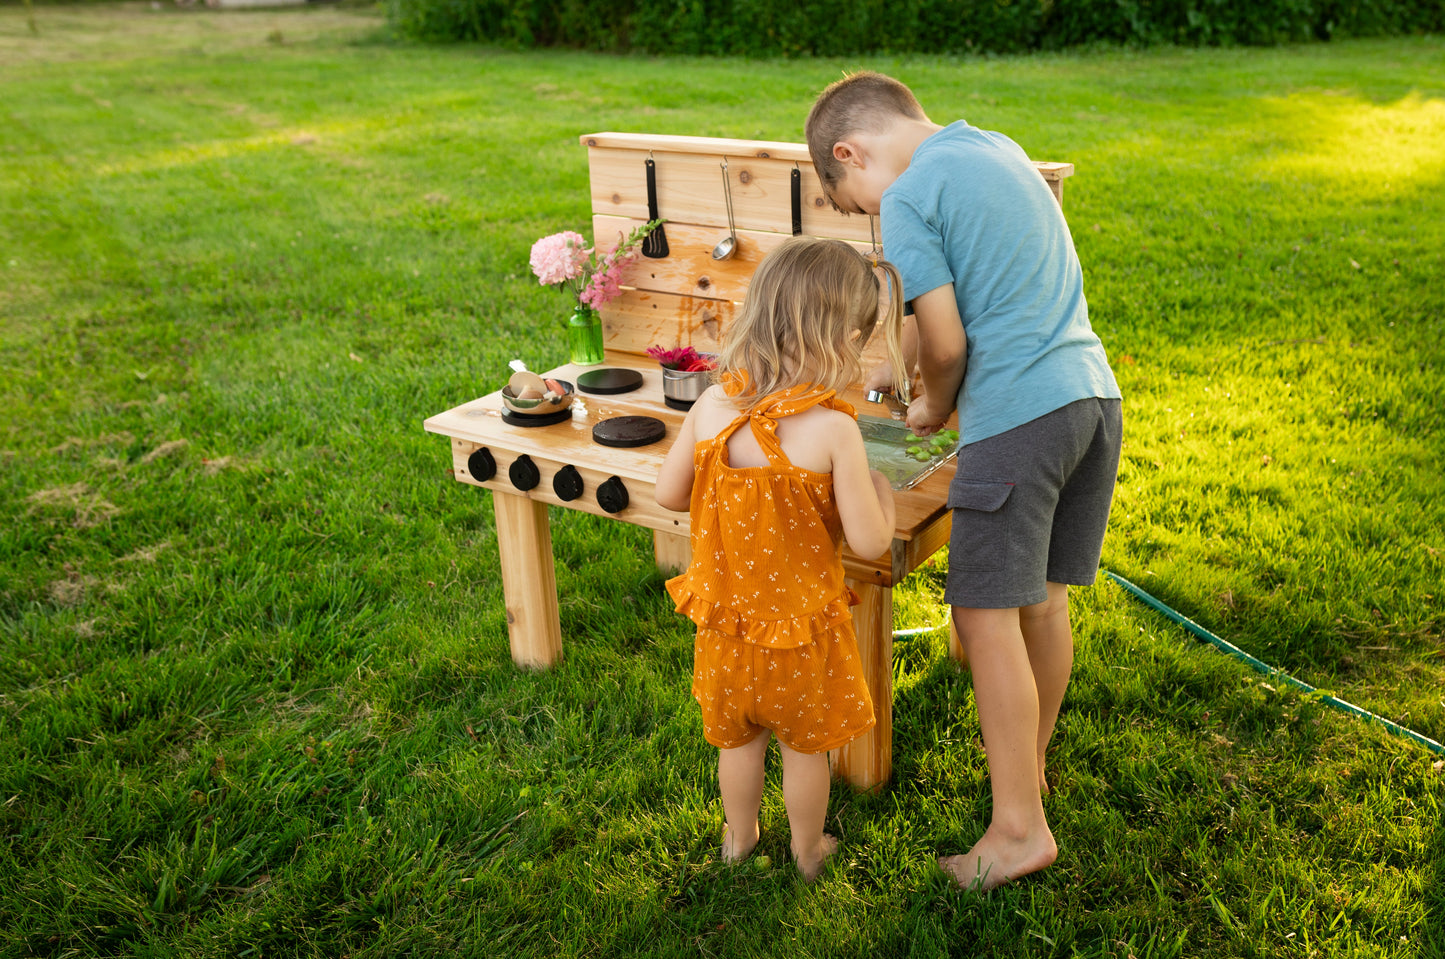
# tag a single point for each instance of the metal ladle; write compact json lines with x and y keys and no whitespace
{"x":728,"y":245}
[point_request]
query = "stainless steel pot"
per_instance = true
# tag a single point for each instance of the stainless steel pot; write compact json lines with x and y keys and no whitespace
{"x":684,"y":387}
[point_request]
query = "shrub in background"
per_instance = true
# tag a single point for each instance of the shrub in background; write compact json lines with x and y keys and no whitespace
{"x":1233,"y":22}
{"x":767,"y":28}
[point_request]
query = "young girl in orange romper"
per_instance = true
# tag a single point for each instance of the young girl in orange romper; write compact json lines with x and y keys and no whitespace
{"x":770,"y":506}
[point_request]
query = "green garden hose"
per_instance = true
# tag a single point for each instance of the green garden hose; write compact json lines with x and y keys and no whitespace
{"x":1262,"y":667}
{"x":1271,"y":671}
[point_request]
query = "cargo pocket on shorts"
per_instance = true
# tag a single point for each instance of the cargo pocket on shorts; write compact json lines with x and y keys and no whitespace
{"x":983,"y":521}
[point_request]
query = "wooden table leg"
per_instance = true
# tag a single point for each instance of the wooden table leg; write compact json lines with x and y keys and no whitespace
{"x":529,"y":580}
{"x":672,"y":551}
{"x":867,"y":761}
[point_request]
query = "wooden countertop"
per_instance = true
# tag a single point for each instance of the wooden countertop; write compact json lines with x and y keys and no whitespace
{"x":922,"y":516}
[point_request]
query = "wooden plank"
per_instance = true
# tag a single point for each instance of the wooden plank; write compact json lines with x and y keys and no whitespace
{"x":529,"y":580}
{"x":709,"y":146}
{"x":672,"y":553}
{"x":689,"y":267}
{"x":724,"y":146}
{"x":690,"y":191}
{"x":1053,"y":171}
{"x":931,"y":538}
{"x":638,"y":319}
{"x":671,"y":546}
{"x":867,"y":761}
{"x":641,"y":510}
{"x":687,"y":298}
{"x":690,"y":187}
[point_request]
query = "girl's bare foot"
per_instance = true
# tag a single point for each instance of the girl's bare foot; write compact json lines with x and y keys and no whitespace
{"x":811,"y":864}
{"x":996,"y":859}
{"x":736,"y":847}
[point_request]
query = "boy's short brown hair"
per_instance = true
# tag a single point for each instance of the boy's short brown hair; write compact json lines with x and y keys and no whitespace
{"x":860,"y":102}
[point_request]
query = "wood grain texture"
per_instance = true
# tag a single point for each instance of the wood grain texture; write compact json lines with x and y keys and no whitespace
{"x":867,"y":761}
{"x":529,"y":581}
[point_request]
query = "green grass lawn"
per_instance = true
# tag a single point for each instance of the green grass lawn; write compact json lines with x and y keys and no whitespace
{"x":255,"y":693}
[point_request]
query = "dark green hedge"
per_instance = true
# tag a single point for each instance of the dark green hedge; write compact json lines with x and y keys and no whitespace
{"x":838,"y":27}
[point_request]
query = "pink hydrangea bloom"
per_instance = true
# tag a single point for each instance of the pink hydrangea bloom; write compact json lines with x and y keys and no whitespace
{"x":591,"y":276}
{"x":559,"y":257}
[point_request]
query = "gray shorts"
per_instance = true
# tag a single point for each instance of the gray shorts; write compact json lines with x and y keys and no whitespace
{"x":1030,"y":506}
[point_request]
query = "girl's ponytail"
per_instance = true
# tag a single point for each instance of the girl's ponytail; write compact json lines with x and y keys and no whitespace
{"x":892,"y":320}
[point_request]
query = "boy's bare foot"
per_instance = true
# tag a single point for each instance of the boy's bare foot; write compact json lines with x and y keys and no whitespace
{"x":996,"y":859}
{"x":812,"y":864}
{"x":736,"y":847}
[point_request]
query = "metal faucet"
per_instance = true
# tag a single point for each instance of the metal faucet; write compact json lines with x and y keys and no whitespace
{"x":887,"y":399}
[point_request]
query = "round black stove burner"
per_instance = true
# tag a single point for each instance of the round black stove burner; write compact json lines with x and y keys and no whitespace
{"x":529,"y":419}
{"x":629,"y":431}
{"x":610,"y":380}
{"x":673,"y":404}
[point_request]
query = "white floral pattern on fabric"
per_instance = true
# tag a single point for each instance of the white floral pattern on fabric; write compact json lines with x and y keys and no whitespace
{"x":750,"y":526}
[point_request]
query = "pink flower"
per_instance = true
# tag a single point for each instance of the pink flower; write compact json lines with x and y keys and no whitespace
{"x":559,"y":258}
{"x":605,"y":283}
{"x":684,"y":359}
{"x":592,"y":277}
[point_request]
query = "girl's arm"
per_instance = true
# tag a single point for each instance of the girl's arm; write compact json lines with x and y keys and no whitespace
{"x":864,"y":498}
{"x":674,"y":479}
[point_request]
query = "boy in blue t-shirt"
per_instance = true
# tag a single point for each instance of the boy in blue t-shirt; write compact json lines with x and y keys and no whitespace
{"x":1001,"y":334}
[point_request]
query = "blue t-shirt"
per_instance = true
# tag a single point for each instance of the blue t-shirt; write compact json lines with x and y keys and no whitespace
{"x":972,"y":210}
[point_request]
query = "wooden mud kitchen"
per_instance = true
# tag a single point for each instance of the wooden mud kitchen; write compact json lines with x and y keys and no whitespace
{"x":756,"y":194}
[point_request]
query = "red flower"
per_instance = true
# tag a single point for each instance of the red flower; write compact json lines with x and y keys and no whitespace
{"x":684,"y":359}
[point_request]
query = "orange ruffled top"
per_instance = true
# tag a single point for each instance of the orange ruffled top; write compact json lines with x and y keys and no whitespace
{"x":766,"y":565}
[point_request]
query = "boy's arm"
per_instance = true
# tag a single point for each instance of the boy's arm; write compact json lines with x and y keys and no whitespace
{"x":942,"y":357}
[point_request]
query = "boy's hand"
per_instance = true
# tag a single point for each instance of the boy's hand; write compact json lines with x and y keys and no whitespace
{"x":879,"y":378}
{"x":923,"y":419}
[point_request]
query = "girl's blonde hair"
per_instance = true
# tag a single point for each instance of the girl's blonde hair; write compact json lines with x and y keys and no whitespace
{"x":803,"y":304}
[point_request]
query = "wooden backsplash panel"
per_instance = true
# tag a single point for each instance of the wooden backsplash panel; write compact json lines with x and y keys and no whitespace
{"x":690,"y":187}
{"x":688,"y":298}
{"x":689,"y":266}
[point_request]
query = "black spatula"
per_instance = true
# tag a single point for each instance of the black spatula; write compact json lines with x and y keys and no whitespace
{"x":654,"y":245}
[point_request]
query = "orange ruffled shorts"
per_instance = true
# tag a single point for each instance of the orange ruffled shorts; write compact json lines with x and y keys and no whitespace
{"x":812,"y":697}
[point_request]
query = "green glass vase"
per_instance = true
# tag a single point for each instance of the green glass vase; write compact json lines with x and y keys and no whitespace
{"x":584,"y":336}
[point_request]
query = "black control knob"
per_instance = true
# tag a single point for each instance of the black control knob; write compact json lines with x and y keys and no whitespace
{"x":612,"y":495}
{"x":524,"y":473}
{"x":481,"y":464}
{"x":567,"y":484}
